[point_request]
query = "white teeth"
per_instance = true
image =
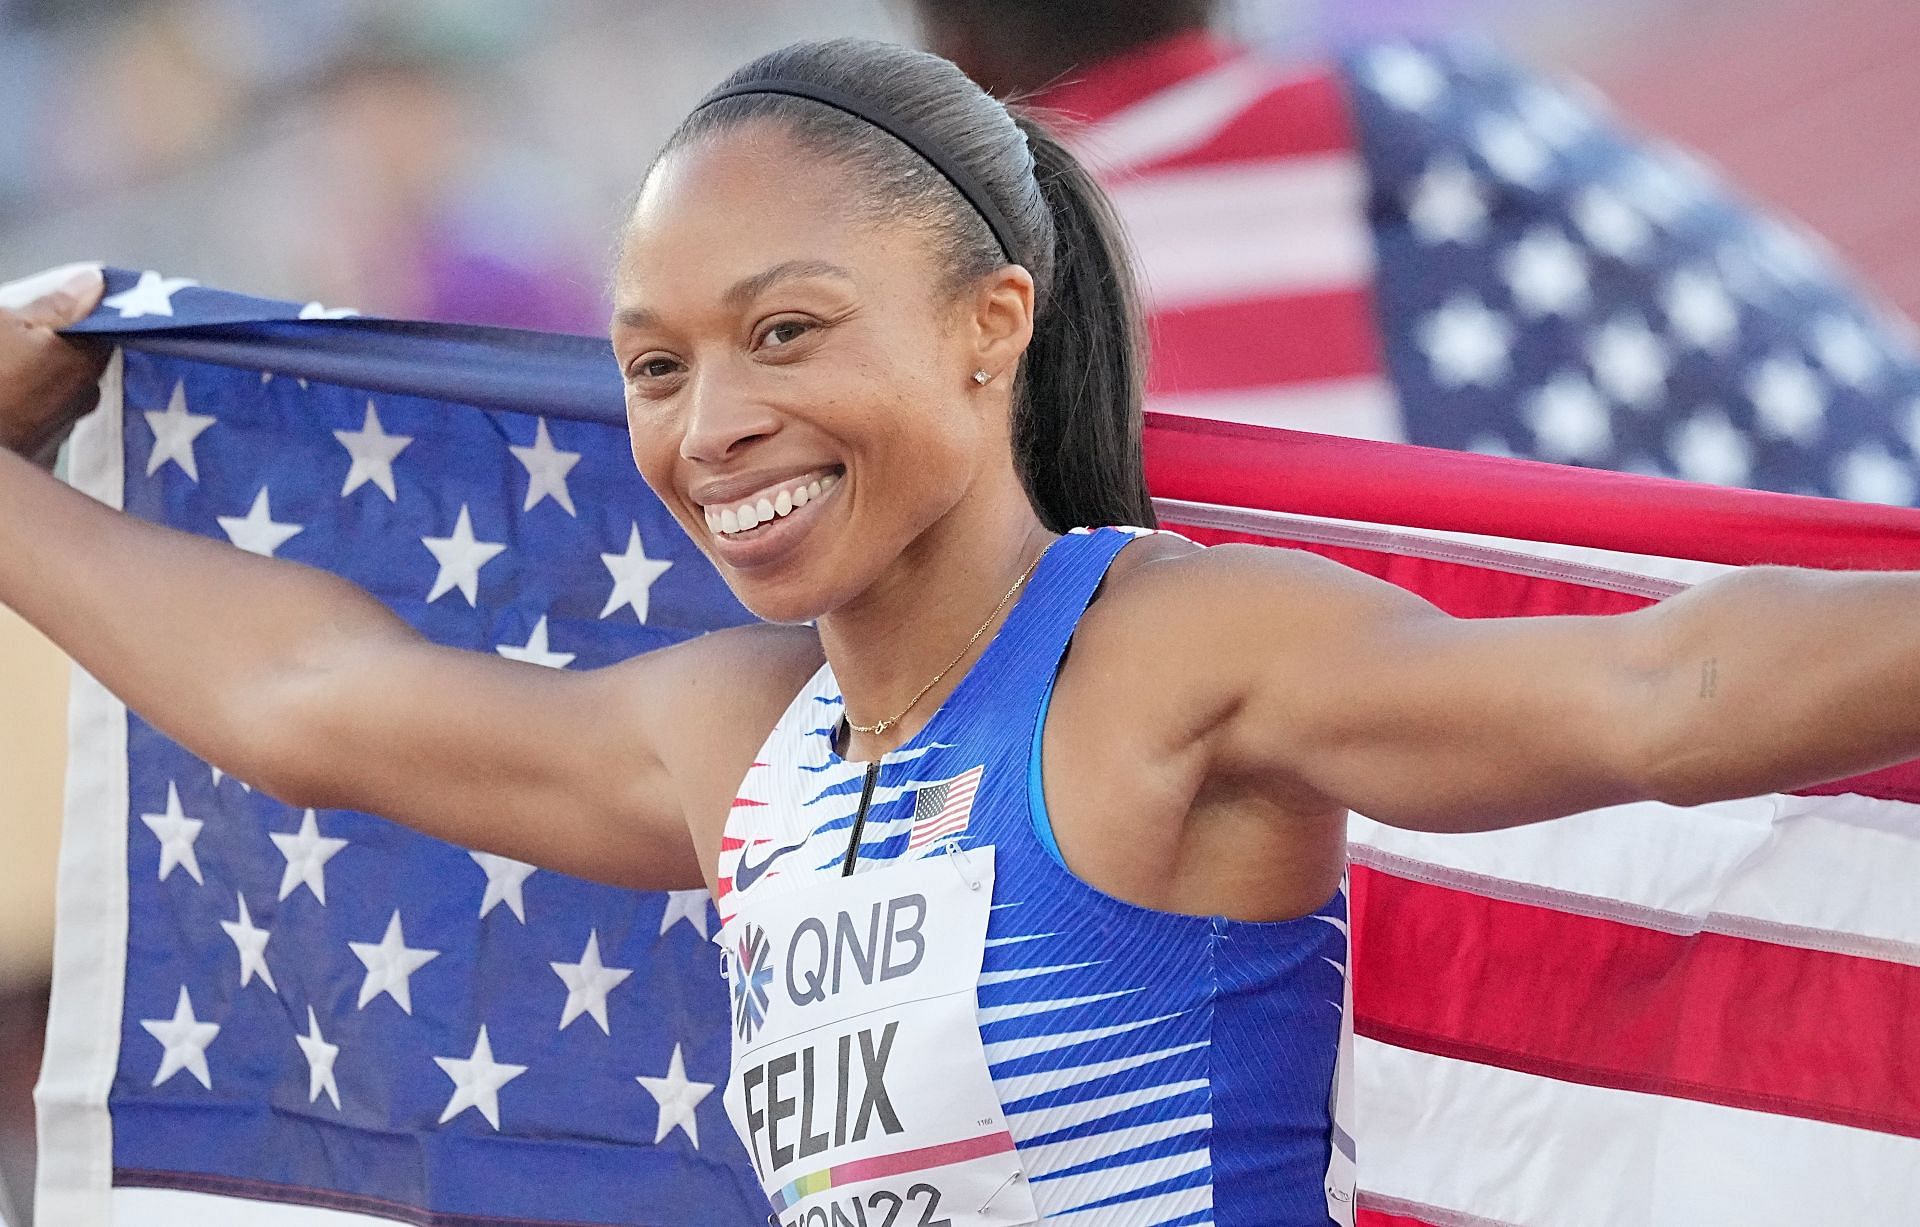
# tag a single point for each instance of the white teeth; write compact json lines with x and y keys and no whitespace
{"x":765,"y":510}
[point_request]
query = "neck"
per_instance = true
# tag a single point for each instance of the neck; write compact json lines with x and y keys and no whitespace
{"x":887,"y":643}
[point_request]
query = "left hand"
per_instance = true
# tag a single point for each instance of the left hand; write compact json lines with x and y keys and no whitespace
{"x":48,"y":382}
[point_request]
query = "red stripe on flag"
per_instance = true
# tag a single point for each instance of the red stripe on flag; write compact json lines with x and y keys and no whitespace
{"x":1288,"y":471}
{"x":1264,"y":342}
{"x":1725,"y":1020}
{"x":1305,"y":116}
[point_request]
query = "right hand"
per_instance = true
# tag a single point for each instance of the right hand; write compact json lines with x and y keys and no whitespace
{"x":47,"y":381}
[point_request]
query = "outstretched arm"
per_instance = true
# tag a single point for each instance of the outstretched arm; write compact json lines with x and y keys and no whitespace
{"x":1760,"y":681}
{"x":307,"y":687}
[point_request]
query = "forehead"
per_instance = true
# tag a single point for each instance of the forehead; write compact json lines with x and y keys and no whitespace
{"x":734,"y":203}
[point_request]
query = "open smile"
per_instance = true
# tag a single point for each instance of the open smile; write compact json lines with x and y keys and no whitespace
{"x":765,"y":526}
{"x":750,"y":515}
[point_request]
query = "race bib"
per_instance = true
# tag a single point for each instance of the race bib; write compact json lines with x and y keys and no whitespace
{"x":859,"y":1084}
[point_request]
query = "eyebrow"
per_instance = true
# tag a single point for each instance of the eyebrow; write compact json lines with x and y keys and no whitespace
{"x":745,"y":290}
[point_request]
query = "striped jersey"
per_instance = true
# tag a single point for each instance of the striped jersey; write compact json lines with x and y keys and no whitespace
{"x":1153,"y":1068}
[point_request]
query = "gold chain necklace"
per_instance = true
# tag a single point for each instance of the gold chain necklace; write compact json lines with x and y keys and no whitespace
{"x":874,"y":730}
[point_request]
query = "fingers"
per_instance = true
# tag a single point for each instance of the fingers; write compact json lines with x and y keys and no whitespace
{"x":68,"y":303}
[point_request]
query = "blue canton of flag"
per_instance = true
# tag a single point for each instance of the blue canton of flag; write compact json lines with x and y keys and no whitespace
{"x":323,"y":1008}
{"x":1550,"y":285}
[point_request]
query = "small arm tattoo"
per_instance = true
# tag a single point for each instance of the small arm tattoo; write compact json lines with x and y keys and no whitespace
{"x":1709,"y":677}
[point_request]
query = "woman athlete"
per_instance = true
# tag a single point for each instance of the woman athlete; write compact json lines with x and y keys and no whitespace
{"x":1015,"y":932}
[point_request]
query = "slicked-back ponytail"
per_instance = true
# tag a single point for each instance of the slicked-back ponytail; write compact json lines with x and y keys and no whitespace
{"x":1078,"y":416}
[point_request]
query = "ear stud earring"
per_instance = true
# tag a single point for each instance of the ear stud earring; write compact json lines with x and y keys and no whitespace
{"x":982,"y":378}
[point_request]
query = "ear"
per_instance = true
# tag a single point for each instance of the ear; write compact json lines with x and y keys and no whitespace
{"x":1000,"y":326}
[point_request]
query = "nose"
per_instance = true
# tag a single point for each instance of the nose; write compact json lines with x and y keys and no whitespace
{"x":722,"y":416}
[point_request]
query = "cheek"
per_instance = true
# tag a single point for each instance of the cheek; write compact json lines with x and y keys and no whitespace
{"x":652,"y":447}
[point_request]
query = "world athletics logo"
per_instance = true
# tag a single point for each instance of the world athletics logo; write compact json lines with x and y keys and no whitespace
{"x":753,"y":967}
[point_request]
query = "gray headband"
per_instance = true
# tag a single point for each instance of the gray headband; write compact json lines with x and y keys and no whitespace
{"x":906,"y":133}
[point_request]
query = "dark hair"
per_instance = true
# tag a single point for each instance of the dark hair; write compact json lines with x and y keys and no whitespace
{"x":1077,"y":397}
{"x":1068,"y":32}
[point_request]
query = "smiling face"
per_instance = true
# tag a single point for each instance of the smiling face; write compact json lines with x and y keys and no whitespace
{"x":798,"y":377}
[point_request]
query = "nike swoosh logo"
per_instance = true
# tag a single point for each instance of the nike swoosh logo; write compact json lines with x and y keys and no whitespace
{"x":745,"y":875}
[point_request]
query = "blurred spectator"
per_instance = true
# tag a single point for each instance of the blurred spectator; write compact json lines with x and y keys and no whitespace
{"x":1421,"y":241}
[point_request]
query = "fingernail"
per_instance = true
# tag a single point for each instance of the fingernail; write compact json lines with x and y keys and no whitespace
{"x":85,"y":285}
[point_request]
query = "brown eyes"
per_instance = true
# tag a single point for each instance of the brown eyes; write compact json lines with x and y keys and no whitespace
{"x":778,"y":335}
{"x":785,"y":332}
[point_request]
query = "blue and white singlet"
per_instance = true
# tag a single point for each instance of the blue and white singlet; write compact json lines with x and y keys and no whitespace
{"x":1153,"y":1068}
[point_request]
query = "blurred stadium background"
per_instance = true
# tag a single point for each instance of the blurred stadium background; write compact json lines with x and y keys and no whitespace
{"x":467,"y":160}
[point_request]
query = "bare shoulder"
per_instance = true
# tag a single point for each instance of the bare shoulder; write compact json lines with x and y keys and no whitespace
{"x":1165,"y":584}
{"x":708,"y":705}
{"x":1221,"y":632}
{"x":713,"y":694}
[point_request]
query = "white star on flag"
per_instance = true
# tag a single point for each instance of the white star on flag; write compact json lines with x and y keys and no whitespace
{"x":1848,"y":353}
{"x":1870,"y":474}
{"x":307,"y":852}
{"x":1554,"y":117}
{"x":547,"y":470}
{"x":687,"y":905}
{"x":477,"y":1081}
{"x":536,"y":651}
{"x":174,"y":432}
{"x":256,"y":531}
{"x":1405,"y":77}
{"x":390,"y":964}
{"x":320,"y":311}
{"x":1667,"y":185}
{"x":1547,"y":274}
{"x":176,"y":833}
{"x":461,"y":556}
{"x":677,"y":1096}
{"x":1700,"y":311}
{"x":1787,"y":396}
{"x":505,"y":877}
{"x":252,"y":945}
{"x":373,"y":451}
{"x":1629,"y":362}
{"x":1448,"y":205}
{"x":588,"y":983}
{"x":185,"y":1039}
{"x":1570,"y":420}
{"x":633,"y":576}
{"x":151,"y":295}
{"x":219,"y":775}
{"x":1512,"y":150}
{"x":320,"y":1058}
{"x":1709,"y":448}
{"x":1611,"y":224}
{"x":1466,"y":343}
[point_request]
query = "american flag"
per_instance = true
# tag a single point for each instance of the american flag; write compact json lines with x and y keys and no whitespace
{"x":1422,"y":241}
{"x":942,"y":809}
{"x":266,"y":1015}
{"x":1642,"y":1016}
